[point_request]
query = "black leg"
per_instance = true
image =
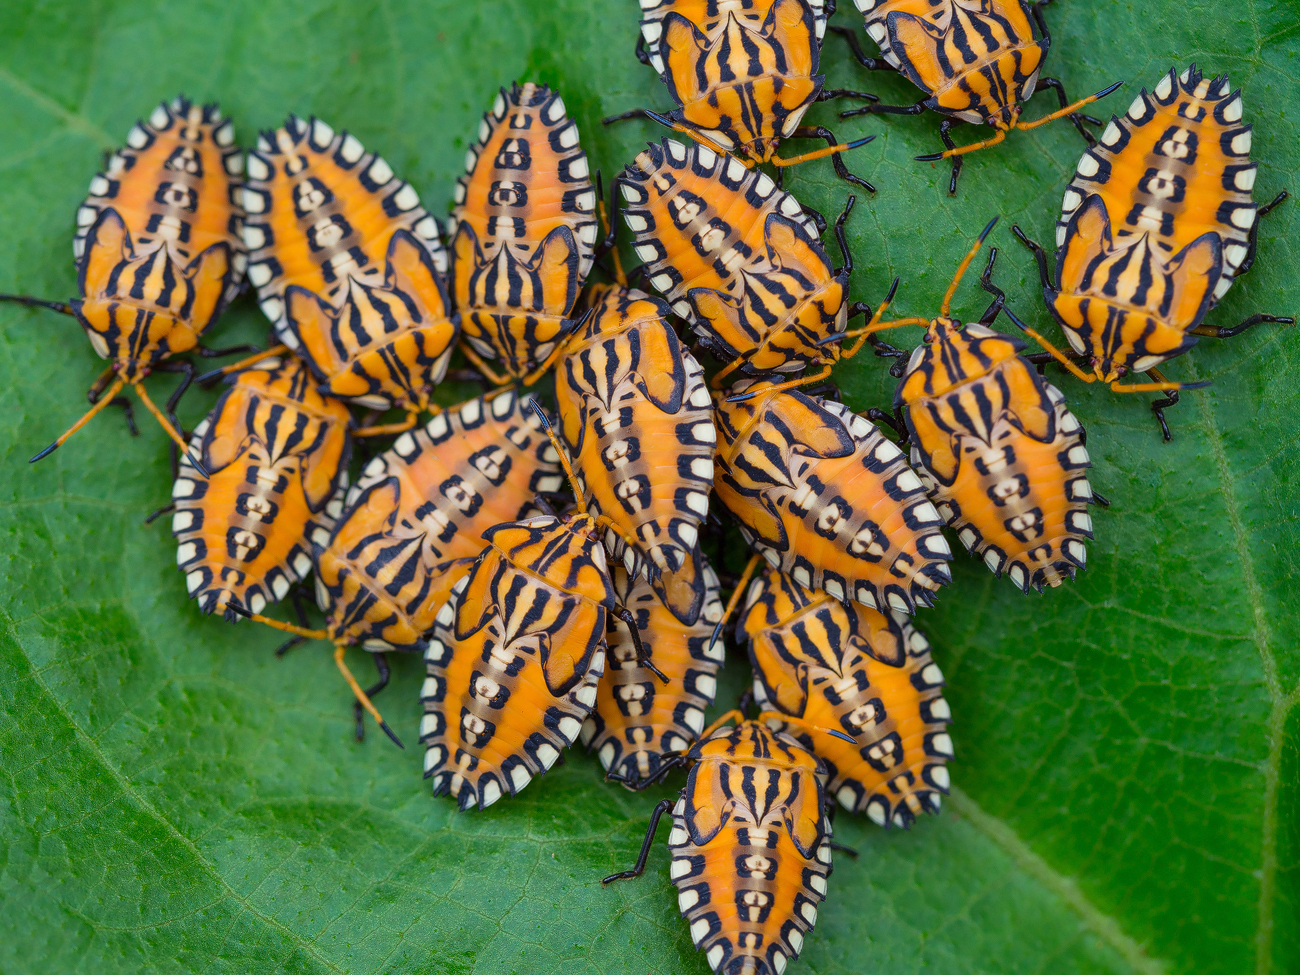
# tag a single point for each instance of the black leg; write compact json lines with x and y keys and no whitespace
{"x":206,"y":353}
{"x":1159,"y":406}
{"x":62,"y":307}
{"x":944,"y":128}
{"x":842,"y":171}
{"x":891,"y":420}
{"x":850,"y":38}
{"x":1249,"y":261}
{"x":999,"y":297}
{"x":169,"y":507}
{"x":662,"y":807}
{"x":641,"y":53}
{"x":1215,"y":331}
{"x":815,"y":216}
{"x":624,"y":116}
{"x":381,"y":665}
{"x":128,"y":412}
{"x":840,"y":238}
{"x":186,"y":368}
{"x":1077,"y":118}
{"x":846,"y":850}
{"x":915,"y":109}
{"x":1101,"y":500}
{"x":295,"y":597}
{"x":642,"y":654}
{"x":1044,"y":274}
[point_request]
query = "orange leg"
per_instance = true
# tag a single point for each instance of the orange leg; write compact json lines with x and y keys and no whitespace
{"x":339,"y":650}
{"x":301,"y":631}
{"x":551,"y":359}
{"x":736,"y":595}
{"x":993,"y":140}
{"x":86,"y":418}
{"x":253,"y":359}
{"x":732,"y":715}
{"x":730,"y":367}
{"x":1068,"y":110}
{"x":384,"y":429}
{"x":574,"y":484}
{"x":779,"y":387}
{"x":167,"y":427}
{"x":820,"y":153}
{"x":492,"y":375}
{"x":1164,"y":387}
{"x":961,"y":268}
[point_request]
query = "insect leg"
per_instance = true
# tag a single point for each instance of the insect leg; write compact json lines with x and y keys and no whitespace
{"x":840,"y":238}
{"x":1044,"y":274}
{"x":186,"y":368}
{"x":850,"y":38}
{"x":1249,"y":261}
{"x":128,"y":408}
{"x":641,"y":53}
{"x":300,"y":611}
{"x":842,"y":171}
{"x":1078,"y":118}
{"x":381,"y":665}
{"x":944,"y":128}
{"x":660,"y":808}
{"x":917,"y":108}
{"x":999,"y":296}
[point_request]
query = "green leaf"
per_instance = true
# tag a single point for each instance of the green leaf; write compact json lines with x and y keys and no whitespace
{"x":175,"y":799}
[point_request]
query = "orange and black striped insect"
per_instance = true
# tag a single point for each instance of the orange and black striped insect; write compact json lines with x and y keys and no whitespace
{"x":412,"y":524}
{"x":977,"y":61}
{"x":737,"y":258}
{"x":743,"y":75}
{"x":514,"y":660}
{"x":277,"y":454}
{"x":159,"y":253}
{"x":999,"y":452}
{"x":321,"y":212}
{"x":348,"y":268}
{"x":865,"y":673}
{"x":823,"y":496}
{"x":1157,"y":223}
{"x":751,"y":847}
{"x":464,"y":472}
{"x":635,"y":411}
{"x":523,"y":234}
{"x":640,"y":726}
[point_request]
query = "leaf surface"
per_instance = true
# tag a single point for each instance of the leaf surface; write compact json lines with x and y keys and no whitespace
{"x":176,"y":799}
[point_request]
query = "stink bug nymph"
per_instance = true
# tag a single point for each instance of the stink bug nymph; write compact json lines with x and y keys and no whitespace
{"x":1157,"y":223}
{"x":977,"y":61}
{"x":158,"y":252}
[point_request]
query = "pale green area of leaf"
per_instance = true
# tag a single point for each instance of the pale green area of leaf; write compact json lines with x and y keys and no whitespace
{"x":174,"y":799}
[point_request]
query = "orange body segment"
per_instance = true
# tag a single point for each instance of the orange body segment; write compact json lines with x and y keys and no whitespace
{"x":1154,"y":226}
{"x":388,"y":345}
{"x":1000,"y":454}
{"x":751,"y":848}
{"x":513,"y":664}
{"x":637,"y":417}
{"x":523,"y":229}
{"x":158,"y":245}
{"x":321,"y":214}
{"x":415,"y":519}
{"x":276,"y":452}
{"x":735,"y":256}
{"x":743,"y":84}
{"x":865,"y":673}
{"x":822,"y":495}
{"x":638,"y":720}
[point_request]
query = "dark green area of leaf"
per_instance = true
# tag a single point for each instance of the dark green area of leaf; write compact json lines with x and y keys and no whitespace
{"x":174,"y":799}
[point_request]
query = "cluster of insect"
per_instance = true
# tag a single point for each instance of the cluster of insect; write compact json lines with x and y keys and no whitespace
{"x":543,"y":618}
